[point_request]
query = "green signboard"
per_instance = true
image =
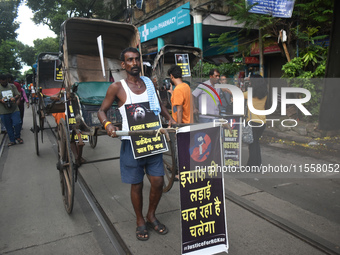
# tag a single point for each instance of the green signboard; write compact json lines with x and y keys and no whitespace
{"x":167,"y":23}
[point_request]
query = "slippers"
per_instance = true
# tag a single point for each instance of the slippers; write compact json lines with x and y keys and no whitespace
{"x":20,"y":141}
{"x":142,"y":233}
{"x":158,"y":227}
{"x":11,"y":144}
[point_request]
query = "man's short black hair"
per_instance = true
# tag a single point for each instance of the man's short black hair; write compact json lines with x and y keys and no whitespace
{"x":129,"y":49}
{"x":3,"y":77}
{"x":212,"y":71}
{"x":176,"y":71}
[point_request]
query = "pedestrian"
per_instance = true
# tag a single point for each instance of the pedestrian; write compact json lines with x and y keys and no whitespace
{"x":226,"y":98}
{"x":257,"y":122}
{"x":181,"y":96}
{"x":9,"y":110}
{"x":136,"y":89}
{"x":23,"y":97}
{"x":209,"y":111}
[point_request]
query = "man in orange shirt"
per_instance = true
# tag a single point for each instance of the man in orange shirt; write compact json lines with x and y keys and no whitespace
{"x":181,"y":96}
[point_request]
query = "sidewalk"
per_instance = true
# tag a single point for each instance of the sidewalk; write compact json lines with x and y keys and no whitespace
{"x":305,"y":134}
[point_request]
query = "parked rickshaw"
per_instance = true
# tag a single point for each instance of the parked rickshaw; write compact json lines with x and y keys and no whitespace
{"x":185,"y":56}
{"x":90,"y":54}
{"x":46,"y":92}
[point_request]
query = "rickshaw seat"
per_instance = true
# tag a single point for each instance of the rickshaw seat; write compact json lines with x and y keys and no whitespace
{"x":91,"y":92}
{"x":50,"y":92}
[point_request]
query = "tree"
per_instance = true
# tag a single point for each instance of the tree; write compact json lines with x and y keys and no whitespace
{"x":8,"y":50}
{"x":9,"y":57}
{"x":54,"y":12}
{"x":29,"y":55}
{"x":309,"y":25}
{"x":9,"y":12}
{"x":307,"y":14}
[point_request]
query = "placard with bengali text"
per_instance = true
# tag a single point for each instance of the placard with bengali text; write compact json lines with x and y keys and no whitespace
{"x":140,"y":117}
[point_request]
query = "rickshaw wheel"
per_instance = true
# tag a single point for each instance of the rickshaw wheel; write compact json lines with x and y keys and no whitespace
{"x":170,"y":165}
{"x":41,"y":123}
{"x":65,"y":166}
{"x":93,"y":140}
{"x":35,"y":128}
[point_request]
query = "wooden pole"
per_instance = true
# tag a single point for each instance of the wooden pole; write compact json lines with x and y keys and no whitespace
{"x":284,"y":47}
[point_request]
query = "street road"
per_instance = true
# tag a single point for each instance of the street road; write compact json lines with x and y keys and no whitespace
{"x":33,"y":219}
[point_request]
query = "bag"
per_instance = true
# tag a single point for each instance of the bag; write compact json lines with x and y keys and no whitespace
{"x":247,"y":135}
{"x":227,"y":106}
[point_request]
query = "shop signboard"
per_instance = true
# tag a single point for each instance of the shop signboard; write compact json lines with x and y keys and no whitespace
{"x":172,"y":21}
{"x":251,"y":60}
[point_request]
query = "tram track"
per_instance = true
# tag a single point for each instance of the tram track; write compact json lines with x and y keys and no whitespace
{"x":287,"y":226}
{"x":2,"y":143}
{"x":111,"y":232}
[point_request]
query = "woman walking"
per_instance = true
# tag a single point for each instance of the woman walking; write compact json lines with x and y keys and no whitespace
{"x":257,"y":122}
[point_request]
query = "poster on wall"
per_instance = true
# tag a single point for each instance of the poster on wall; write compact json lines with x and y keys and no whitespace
{"x":203,"y":215}
{"x":182,"y":60}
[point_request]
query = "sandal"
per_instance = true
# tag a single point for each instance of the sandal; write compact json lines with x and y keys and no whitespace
{"x":20,"y":141}
{"x":158,"y":227}
{"x":142,"y":233}
{"x":11,"y":143}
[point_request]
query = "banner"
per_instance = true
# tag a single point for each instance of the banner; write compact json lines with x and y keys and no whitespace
{"x":203,"y":216}
{"x":140,"y":117}
{"x":276,"y":8}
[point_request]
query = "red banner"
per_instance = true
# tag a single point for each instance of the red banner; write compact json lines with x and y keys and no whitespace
{"x":270,"y":46}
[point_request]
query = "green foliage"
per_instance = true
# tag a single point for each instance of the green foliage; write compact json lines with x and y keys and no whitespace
{"x":298,"y":75}
{"x":48,"y":44}
{"x":229,"y":69}
{"x":202,"y":69}
{"x":8,"y":48}
{"x":8,"y":13}
{"x":54,"y":12}
{"x":9,"y":62}
{"x":303,"y":71}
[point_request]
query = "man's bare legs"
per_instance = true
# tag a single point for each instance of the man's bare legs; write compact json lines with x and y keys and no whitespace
{"x":155,"y":195}
{"x":154,"y":198}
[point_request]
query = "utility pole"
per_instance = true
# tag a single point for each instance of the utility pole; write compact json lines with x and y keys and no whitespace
{"x":330,"y":103}
{"x":261,"y":53}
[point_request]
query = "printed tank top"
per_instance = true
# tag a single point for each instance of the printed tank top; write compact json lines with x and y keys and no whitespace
{"x":131,"y":98}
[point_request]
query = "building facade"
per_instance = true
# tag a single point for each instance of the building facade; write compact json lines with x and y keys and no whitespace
{"x":191,"y":23}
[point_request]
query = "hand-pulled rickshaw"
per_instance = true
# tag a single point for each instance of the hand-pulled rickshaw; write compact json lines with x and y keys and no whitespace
{"x":90,"y":54}
{"x":184,"y":56}
{"x":46,"y":92}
